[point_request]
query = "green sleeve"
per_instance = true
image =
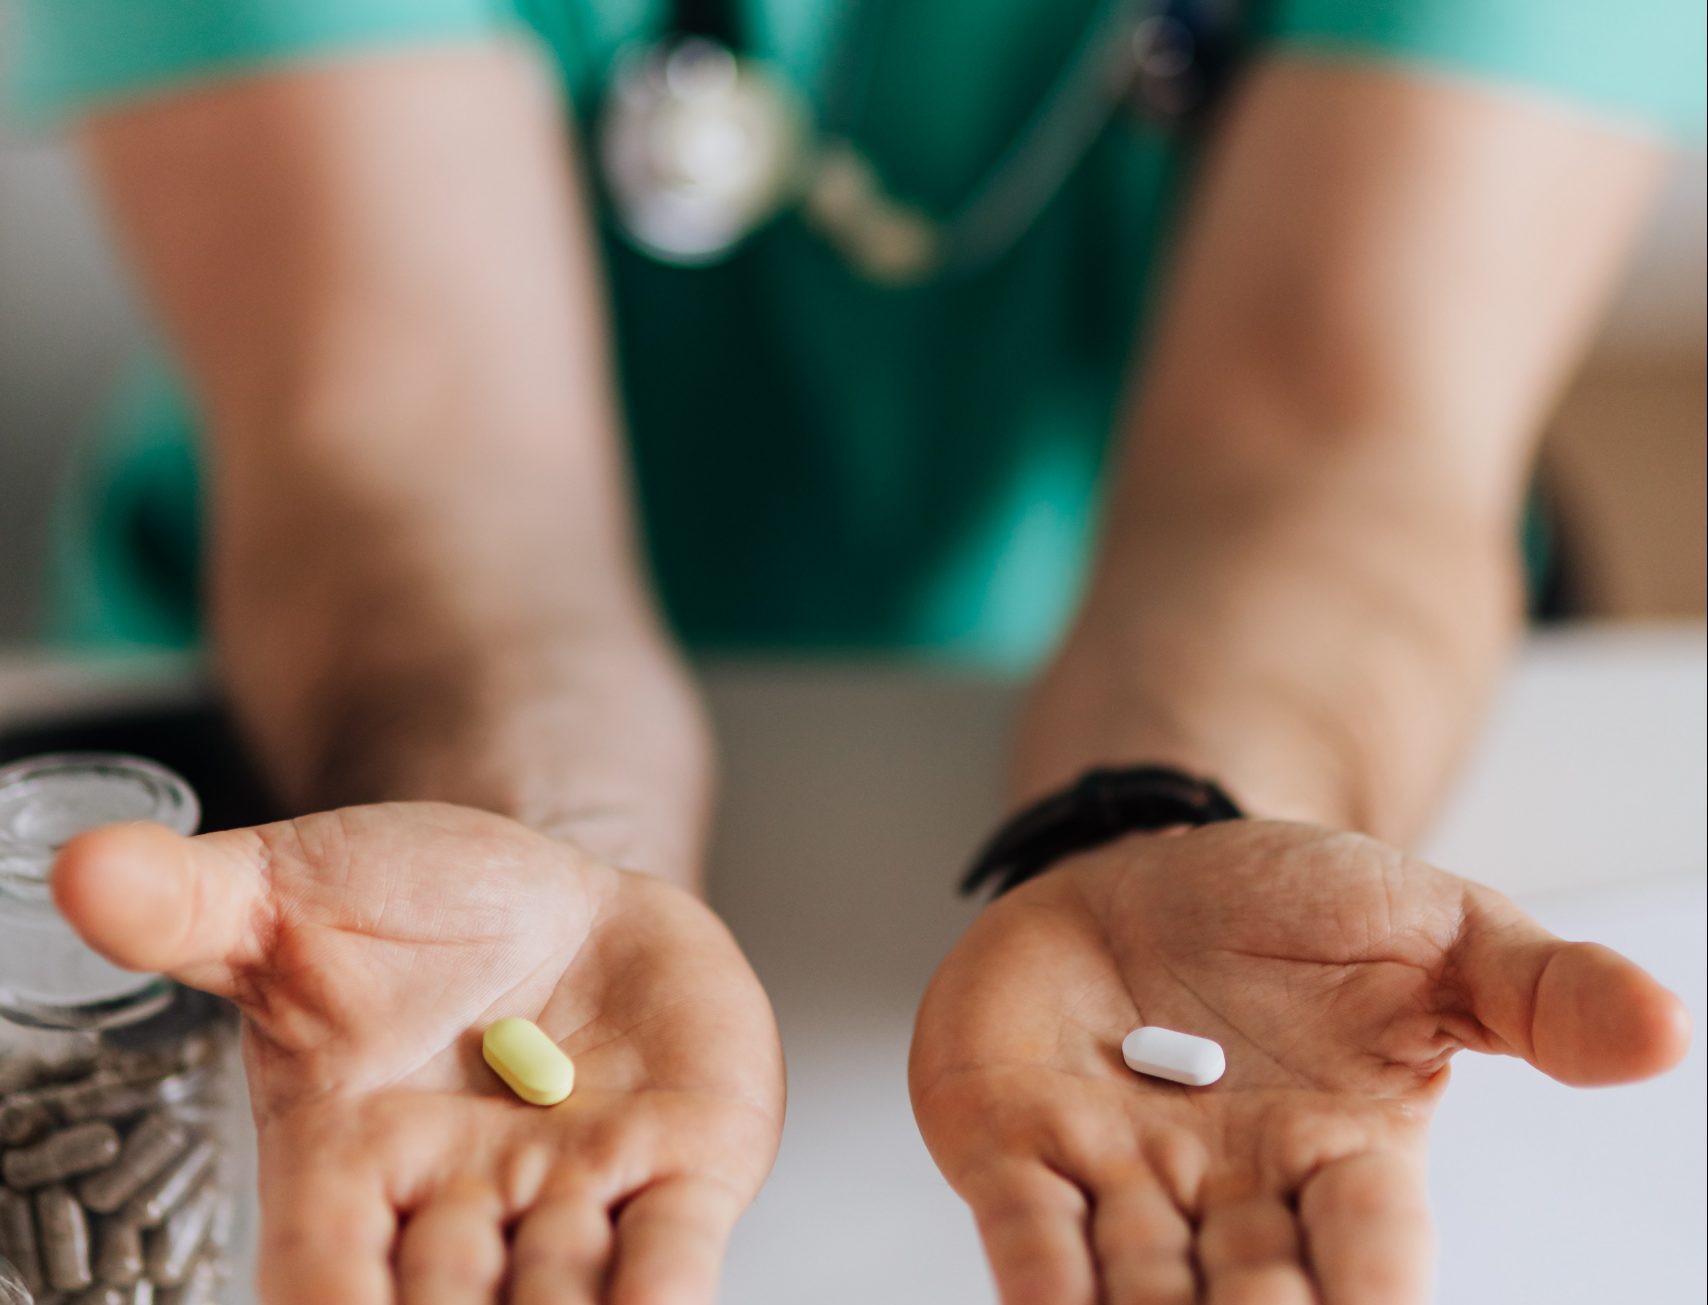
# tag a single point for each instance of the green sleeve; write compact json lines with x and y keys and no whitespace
{"x":71,"y":55}
{"x":1641,"y":61}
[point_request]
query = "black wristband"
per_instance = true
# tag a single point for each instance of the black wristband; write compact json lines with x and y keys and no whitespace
{"x":1102,"y":806}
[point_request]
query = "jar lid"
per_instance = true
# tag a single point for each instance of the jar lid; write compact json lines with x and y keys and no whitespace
{"x":47,"y":801}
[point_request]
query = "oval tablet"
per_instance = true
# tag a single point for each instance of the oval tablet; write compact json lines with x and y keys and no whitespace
{"x":1177,"y":1057}
{"x":531,"y":1064}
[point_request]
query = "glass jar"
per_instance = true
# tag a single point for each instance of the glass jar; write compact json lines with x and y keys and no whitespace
{"x":119,"y":1092}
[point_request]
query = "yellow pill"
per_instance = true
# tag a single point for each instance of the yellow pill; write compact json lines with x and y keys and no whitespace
{"x":531,"y":1064}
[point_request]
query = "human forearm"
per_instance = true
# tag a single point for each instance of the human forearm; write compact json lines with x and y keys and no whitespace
{"x":1318,"y":639}
{"x":378,"y":277}
{"x":1304,"y":585}
{"x":1308,"y":571}
{"x":481,"y":647}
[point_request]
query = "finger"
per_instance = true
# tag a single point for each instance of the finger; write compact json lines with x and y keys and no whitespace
{"x":1144,"y":1245}
{"x":326,"y":1238}
{"x":560,"y":1252}
{"x":1248,"y":1250}
{"x":1577,"y":1011}
{"x":452,"y":1250}
{"x":149,"y":899}
{"x":1270,"y":1284}
{"x":1035,"y":1225}
{"x":670,"y":1243}
{"x":1367,"y":1231}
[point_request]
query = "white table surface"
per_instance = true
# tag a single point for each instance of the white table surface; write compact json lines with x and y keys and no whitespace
{"x":853,"y":795}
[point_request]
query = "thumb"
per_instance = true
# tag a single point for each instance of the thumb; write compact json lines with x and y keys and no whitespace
{"x":1579,"y":1012}
{"x":149,"y":899}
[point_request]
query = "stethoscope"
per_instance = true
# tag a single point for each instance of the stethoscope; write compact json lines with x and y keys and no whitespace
{"x":700,"y":145}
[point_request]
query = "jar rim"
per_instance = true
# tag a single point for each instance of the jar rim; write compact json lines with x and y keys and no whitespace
{"x":127,"y":788}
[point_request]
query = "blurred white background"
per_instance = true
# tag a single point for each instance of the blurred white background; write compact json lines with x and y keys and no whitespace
{"x":1627,"y":456}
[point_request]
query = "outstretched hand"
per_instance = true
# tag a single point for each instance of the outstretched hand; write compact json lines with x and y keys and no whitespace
{"x":367,"y":949}
{"x":1338,"y":975}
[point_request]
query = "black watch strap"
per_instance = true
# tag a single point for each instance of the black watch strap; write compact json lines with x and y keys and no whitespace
{"x":1102,"y":806}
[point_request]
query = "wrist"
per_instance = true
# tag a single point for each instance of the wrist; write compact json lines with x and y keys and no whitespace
{"x":1319,"y":640}
{"x":1100,"y":808}
{"x":625,"y":777}
{"x":1277,"y":756}
{"x":599,"y":741}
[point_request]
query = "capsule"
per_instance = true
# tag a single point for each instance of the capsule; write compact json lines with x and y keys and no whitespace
{"x":172,"y":1248}
{"x":17,"y":1073}
{"x":18,"y":1238}
{"x":24,"y":1118}
{"x":118,"y":1252}
{"x":153,"y":1144}
{"x":200,"y":1288}
{"x":64,"y":1239}
{"x":1177,"y":1057}
{"x":223,"y":1226}
{"x":70,"y":1151}
{"x":150,"y":1064}
{"x":116,"y":1098}
{"x":136,"y":1293}
{"x":153,"y":1203}
{"x":109,"y":1295}
{"x":35,"y":1075}
{"x":530,"y":1063}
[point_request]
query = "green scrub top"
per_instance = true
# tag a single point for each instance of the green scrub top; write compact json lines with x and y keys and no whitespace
{"x":823,"y":462}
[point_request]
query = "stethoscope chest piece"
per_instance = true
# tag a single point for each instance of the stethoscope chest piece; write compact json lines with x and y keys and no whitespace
{"x":699,"y":148}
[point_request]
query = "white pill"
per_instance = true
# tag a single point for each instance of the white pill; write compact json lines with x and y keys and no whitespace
{"x":1178,"y":1057}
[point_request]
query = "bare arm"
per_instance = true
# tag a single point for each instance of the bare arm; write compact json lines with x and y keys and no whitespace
{"x":423,"y":583}
{"x":1308,"y":577}
{"x":1306,"y":586}
{"x":424,"y":587}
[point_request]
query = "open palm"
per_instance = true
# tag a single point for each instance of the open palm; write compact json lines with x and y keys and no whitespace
{"x":1339,"y":976}
{"x":368,"y":949}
